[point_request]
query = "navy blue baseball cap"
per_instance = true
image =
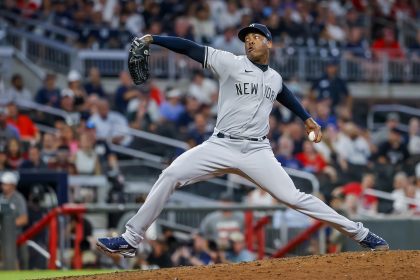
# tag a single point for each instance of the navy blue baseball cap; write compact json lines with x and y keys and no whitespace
{"x":255,"y":28}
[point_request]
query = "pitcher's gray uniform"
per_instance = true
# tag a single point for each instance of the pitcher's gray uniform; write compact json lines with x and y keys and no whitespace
{"x":246,"y":98}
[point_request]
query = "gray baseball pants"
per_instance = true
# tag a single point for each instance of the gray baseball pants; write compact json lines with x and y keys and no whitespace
{"x":251,"y":159}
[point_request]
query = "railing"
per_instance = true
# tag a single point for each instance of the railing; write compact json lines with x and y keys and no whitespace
{"x":39,"y":26}
{"x":50,"y":221}
{"x":291,"y":62}
{"x":404,"y":111}
{"x":6,"y":55}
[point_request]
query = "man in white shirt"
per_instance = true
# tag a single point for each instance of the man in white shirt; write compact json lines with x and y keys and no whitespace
{"x":17,"y":91}
{"x":202,"y":88}
{"x":110,"y":125}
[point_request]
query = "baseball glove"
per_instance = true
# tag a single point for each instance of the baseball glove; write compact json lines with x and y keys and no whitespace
{"x":138,"y":61}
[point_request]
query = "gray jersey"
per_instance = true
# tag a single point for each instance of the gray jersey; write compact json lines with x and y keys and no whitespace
{"x":246,"y":93}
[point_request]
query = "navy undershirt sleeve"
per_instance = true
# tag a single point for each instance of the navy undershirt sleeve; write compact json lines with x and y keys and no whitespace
{"x":182,"y":46}
{"x":289,"y":100}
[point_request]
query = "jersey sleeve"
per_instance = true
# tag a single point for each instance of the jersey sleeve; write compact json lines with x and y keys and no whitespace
{"x":222,"y":63}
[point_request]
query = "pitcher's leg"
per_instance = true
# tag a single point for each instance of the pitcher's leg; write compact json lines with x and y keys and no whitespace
{"x":194,"y":165}
{"x":263,"y":168}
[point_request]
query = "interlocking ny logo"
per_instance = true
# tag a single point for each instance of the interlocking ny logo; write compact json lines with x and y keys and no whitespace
{"x":252,"y":25}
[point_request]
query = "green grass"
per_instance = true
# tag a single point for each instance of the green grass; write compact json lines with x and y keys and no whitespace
{"x":37,"y":274}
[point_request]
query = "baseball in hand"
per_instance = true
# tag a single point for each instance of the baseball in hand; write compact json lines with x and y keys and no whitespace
{"x":311,"y":136}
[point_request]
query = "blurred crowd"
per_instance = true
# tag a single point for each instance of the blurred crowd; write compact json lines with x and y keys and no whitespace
{"x":365,"y":27}
{"x":350,"y":161}
{"x":96,"y":117}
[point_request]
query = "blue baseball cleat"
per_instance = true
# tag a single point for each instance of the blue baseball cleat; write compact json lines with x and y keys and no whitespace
{"x":374,"y":242}
{"x":116,"y":245}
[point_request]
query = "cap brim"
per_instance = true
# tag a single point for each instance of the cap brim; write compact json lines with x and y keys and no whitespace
{"x":249,"y":29}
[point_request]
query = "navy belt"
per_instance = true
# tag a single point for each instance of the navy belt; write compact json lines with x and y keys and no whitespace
{"x":222,"y":135}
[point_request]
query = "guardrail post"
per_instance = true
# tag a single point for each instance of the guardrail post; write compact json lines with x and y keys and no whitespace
{"x":385,"y":69}
{"x":77,"y":259}
{"x":53,"y":242}
{"x":8,"y":237}
{"x":301,"y":64}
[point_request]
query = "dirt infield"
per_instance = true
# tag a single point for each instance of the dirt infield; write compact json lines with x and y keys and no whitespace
{"x":356,"y":265}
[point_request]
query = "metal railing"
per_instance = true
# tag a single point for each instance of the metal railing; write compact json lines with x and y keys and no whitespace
{"x":6,"y":56}
{"x":292,"y":62}
{"x":377,"y":115}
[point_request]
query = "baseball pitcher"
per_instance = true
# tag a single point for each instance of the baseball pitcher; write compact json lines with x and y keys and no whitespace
{"x":248,"y":89}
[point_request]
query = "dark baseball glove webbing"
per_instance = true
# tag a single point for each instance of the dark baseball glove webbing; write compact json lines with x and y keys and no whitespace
{"x":138,"y":61}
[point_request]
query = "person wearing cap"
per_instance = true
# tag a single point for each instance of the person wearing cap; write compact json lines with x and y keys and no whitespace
{"x":172,"y":108}
{"x":238,"y":251}
{"x":330,"y":87}
{"x":17,"y":202}
{"x":394,"y":151}
{"x":248,"y":87}
{"x":381,"y":135}
{"x":9,"y":181}
{"x":74,"y":80}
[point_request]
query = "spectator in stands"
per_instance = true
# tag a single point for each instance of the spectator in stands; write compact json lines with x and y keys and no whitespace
{"x":415,"y":47}
{"x":324,"y":116}
{"x":381,"y":136}
{"x":143,"y":110}
{"x":199,"y":254}
{"x":357,"y":46}
{"x":3,"y":159}
{"x":332,"y":30}
{"x":27,"y":129}
{"x":200,"y":132}
{"x":14,"y":153}
{"x":159,"y":257}
{"x":49,"y":147}
{"x":9,"y":181}
{"x":49,"y":94}
{"x":202,"y":88}
{"x":229,"y":15}
{"x":204,"y":28}
{"x":86,"y":160}
{"x":414,"y":137}
{"x":67,"y":104}
{"x":66,"y":136}
{"x":296,"y":132}
{"x":186,"y":119}
{"x":134,"y":21}
{"x":62,"y":162}
{"x":331,"y":87}
{"x":74,"y":80}
{"x":123,"y":94}
{"x":110,"y":125}
{"x":7,"y":131}
{"x":394,"y":151}
{"x":352,"y":150}
{"x":355,"y":200}
{"x":310,"y":159}
{"x":403,"y":190}
{"x":182,"y":28}
{"x":34,"y":160}
{"x":172,"y":108}
{"x":238,"y":251}
{"x":228,"y":41}
{"x":94,"y":85}
{"x":17,"y":91}
{"x":285,"y":153}
{"x":107,"y":158}
{"x":387,"y":45}
{"x":219,"y":224}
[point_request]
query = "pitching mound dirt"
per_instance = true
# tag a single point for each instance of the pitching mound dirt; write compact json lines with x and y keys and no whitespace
{"x":355,"y":265}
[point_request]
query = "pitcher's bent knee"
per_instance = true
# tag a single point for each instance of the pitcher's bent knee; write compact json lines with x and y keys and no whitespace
{"x":171,"y":173}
